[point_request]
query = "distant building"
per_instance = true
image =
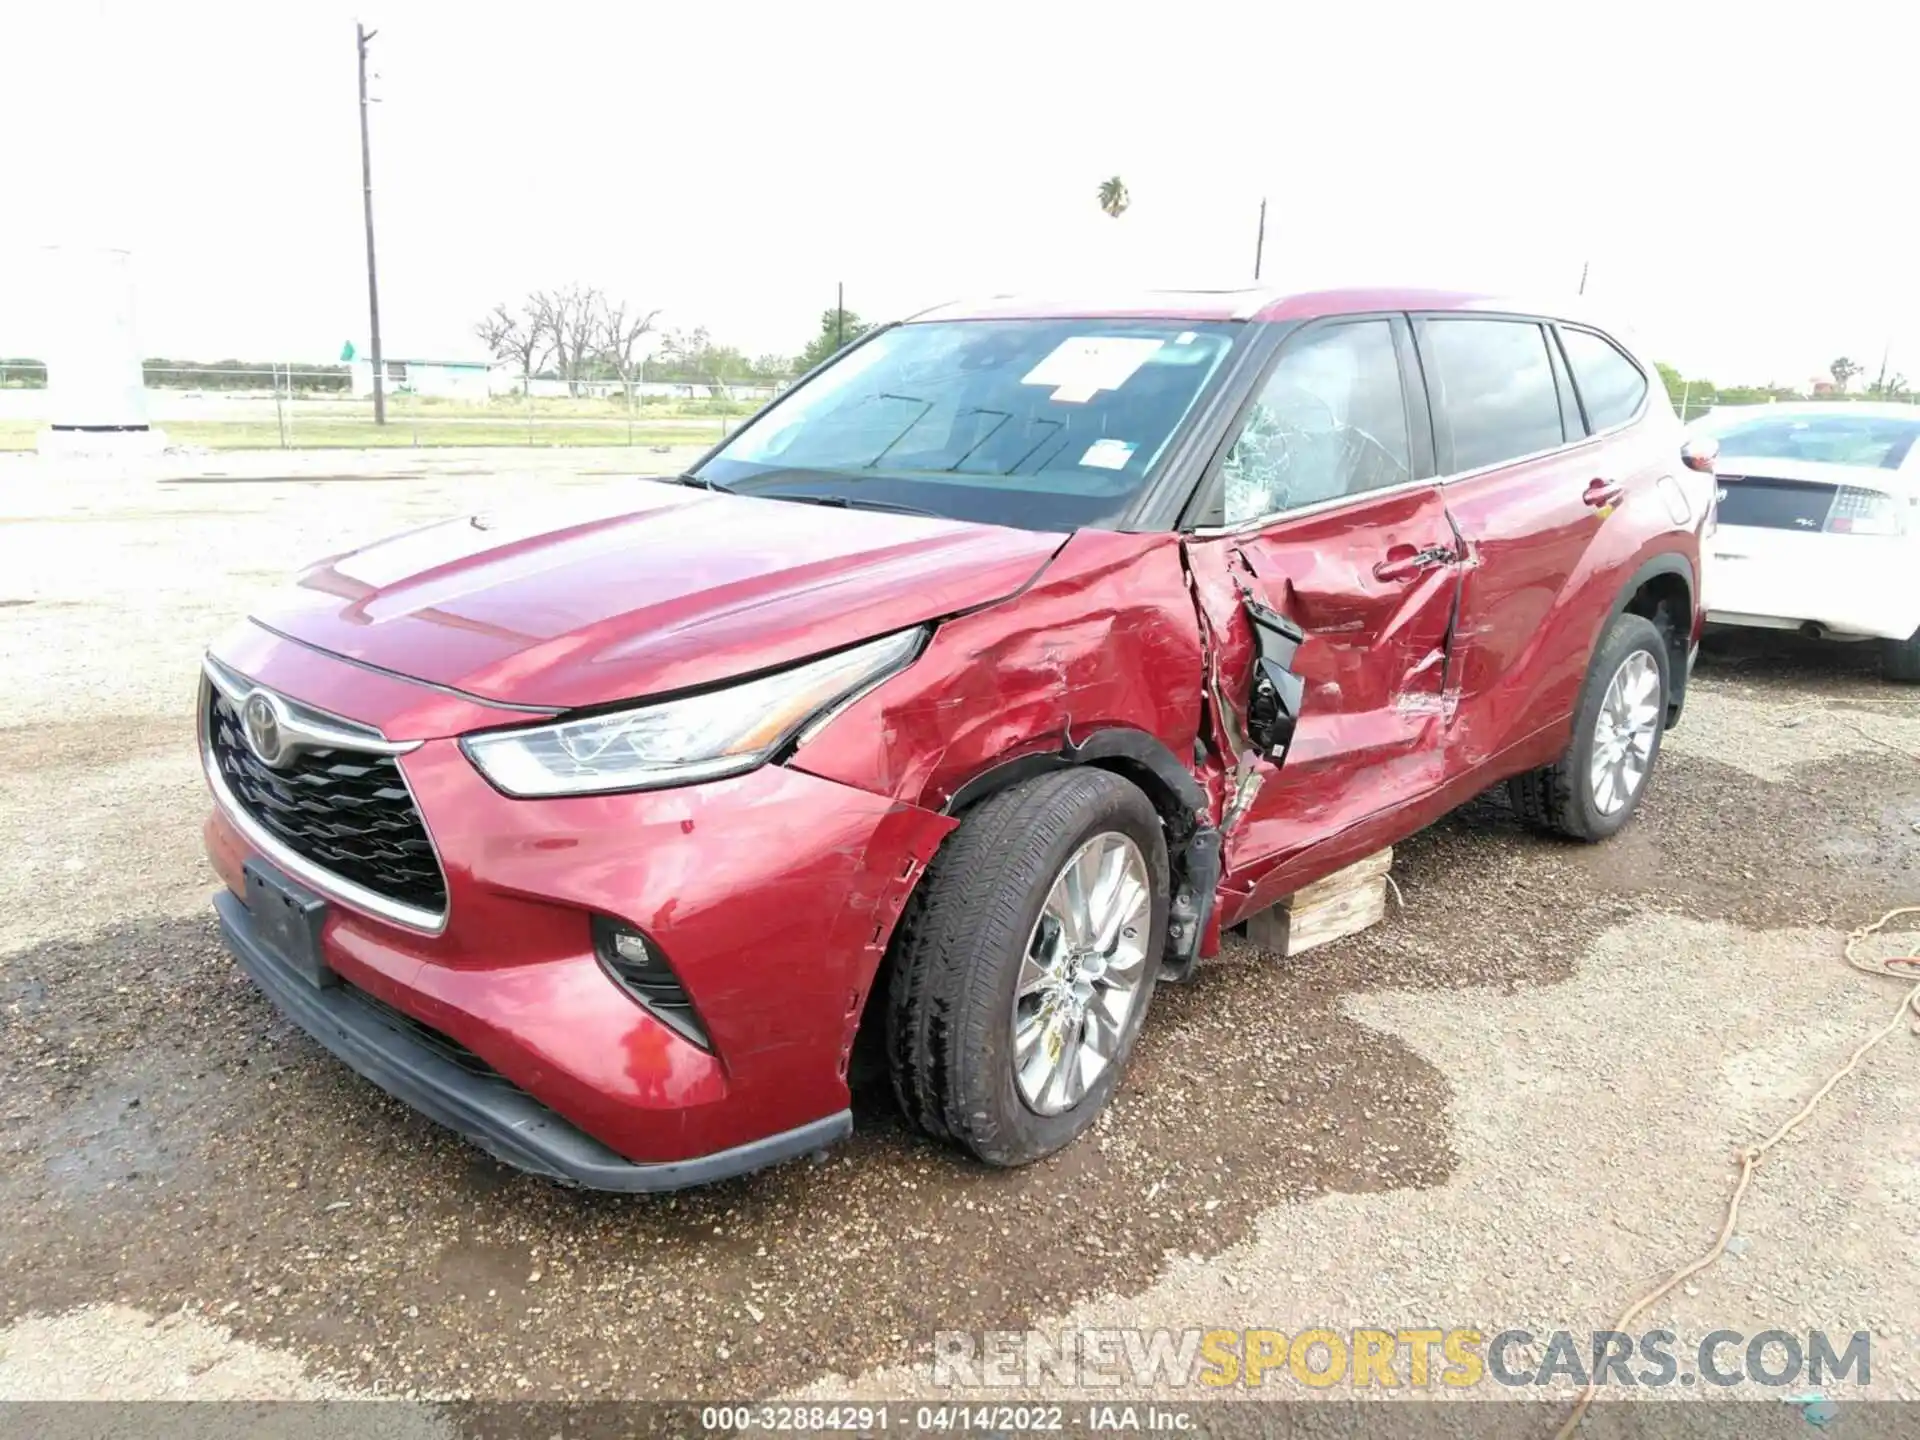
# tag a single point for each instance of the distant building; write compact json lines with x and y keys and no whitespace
{"x":445,"y":379}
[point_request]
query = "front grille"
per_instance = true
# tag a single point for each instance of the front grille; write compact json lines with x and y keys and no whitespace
{"x":347,"y":811}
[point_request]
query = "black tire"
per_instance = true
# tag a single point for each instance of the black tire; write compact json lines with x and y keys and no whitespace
{"x":957,"y":960}
{"x":1900,"y":660}
{"x":1558,"y":799}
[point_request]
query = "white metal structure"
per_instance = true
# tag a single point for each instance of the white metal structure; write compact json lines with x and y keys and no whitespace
{"x":1819,"y":523}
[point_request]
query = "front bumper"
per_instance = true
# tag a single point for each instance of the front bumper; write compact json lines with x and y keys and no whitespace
{"x":772,"y":895}
{"x":486,"y":1109}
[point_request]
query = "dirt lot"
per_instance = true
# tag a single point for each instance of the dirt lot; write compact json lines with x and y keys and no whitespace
{"x":1510,"y":1105}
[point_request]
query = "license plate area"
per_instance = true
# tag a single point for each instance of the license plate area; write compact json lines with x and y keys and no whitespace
{"x":288,"y":919}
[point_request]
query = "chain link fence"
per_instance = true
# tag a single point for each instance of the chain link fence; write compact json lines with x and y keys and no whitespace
{"x":426,"y":404}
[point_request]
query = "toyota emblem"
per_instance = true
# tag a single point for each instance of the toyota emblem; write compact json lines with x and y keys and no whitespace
{"x":263,"y":720}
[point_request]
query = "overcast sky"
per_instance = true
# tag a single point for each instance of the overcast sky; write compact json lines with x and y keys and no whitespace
{"x":1743,"y":186}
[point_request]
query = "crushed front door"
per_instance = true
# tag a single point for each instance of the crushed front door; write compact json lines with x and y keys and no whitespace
{"x":1346,"y":544}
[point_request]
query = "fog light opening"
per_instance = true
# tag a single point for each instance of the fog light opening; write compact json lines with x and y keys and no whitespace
{"x":636,"y":965}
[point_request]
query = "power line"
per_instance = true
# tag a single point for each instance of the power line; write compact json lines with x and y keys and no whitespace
{"x":361,"y":36}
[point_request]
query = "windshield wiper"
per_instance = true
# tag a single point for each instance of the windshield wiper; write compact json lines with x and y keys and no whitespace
{"x":840,"y":502}
{"x":698,"y":482}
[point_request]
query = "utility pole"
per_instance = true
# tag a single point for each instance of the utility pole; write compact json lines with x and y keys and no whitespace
{"x":1260,"y":238}
{"x":839,"y":314}
{"x":1583,"y":275}
{"x":361,"y":36}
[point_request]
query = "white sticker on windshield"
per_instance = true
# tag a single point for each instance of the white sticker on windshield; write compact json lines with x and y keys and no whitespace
{"x":1108,"y":454}
{"x":1083,"y":365}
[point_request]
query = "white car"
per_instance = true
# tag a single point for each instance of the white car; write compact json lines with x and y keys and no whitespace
{"x":1819,"y":523}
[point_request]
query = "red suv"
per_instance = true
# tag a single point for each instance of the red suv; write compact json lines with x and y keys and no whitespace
{"x":973,"y":688}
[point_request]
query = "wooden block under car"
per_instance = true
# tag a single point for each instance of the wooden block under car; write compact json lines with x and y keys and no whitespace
{"x":1344,"y":903}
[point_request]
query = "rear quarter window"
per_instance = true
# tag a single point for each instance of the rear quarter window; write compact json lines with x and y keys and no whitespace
{"x":1611,"y":386}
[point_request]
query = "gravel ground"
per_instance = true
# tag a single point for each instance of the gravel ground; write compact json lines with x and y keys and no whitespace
{"x":1511,"y":1105}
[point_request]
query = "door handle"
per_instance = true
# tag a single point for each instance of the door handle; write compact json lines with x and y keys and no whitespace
{"x":1604,"y":494}
{"x":1403,"y":562}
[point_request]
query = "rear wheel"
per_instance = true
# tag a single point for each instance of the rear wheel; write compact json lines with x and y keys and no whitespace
{"x":1593,"y":790}
{"x":1026,"y":964}
{"x":1900,"y":659}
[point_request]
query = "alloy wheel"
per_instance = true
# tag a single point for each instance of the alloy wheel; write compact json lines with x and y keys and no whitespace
{"x":1082,"y":973}
{"x":1624,"y":733}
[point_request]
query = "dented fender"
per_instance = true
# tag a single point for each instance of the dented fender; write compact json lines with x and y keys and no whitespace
{"x":1106,"y":639}
{"x":1099,"y":662}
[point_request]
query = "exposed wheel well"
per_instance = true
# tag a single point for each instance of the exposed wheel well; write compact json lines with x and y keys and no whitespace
{"x":1175,"y":796}
{"x":1666,"y":599}
{"x":1175,"y":814}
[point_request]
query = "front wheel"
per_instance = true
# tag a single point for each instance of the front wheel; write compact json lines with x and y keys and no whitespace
{"x":1025,"y":965}
{"x":1593,"y":790}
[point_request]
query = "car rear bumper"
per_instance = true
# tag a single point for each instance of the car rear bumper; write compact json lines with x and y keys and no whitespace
{"x":485,"y":1108}
{"x":1846,"y":586}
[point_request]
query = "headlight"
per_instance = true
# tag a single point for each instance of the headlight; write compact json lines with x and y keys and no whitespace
{"x":675,"y":742}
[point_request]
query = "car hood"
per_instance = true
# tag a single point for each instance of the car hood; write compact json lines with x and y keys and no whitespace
{"x":662,"y":589}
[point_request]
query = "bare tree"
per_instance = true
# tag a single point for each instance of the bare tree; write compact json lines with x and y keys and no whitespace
{"x":568,"y":321}
{"x":621,"y":329}
{"x":517,"y":338}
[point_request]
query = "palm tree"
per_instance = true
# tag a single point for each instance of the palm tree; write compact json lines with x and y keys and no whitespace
{"x":1113,"y":196}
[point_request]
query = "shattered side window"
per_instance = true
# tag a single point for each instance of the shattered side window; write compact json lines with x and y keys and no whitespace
{"x":1329,"y":422}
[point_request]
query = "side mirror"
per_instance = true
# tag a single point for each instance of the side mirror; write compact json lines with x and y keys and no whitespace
{"x":1274,"y":705}
{"x":1700,"y":452}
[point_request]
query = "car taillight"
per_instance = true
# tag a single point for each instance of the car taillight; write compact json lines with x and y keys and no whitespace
{"x":1864,"y":512}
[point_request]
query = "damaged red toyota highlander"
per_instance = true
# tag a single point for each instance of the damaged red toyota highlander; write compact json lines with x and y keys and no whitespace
{"x":967,"y":693}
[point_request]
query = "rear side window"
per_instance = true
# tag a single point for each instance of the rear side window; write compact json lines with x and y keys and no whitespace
{"x":1611,"y":386}
{"x":1492,"y":389}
